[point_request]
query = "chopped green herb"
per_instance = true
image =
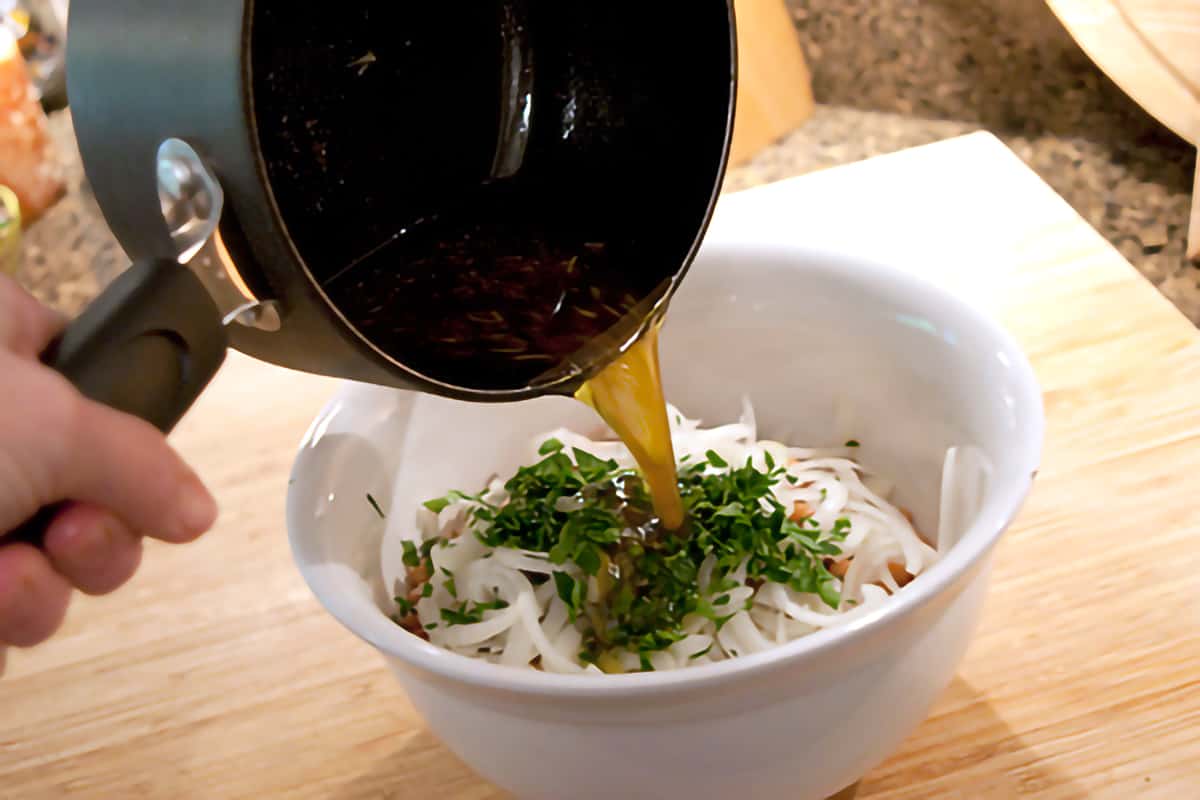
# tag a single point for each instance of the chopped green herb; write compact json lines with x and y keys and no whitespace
{"x":469,"y":613}
{"x":623,"y":600}
{"x":730,"y":510}
{"x":427,"y":590}
{"x":375,"y":505}
{"x":591,"y":468}
{"x":852,"y":443}
{"x":412,"y":558}
{"x":403,"y":606}
{"x":572,"y":592}
{"x":702,"y":653}
{"x":428,"y":545}
{"x":648,"y":583}
{"x":437,"y":505}
{"x":452,"y":616}
{"x":550,"y":446}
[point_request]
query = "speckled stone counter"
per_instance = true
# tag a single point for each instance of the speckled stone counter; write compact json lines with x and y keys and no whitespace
{"x":1142,"y":213}
{"x":888,"y":75}
{"x":69,"y":255}
{"x":896,"y":73}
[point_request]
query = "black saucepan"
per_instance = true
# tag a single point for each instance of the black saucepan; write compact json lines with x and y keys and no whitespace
{"x":484,"y":199}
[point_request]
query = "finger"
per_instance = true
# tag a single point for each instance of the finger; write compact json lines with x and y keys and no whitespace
{"x":132,"y":471}
{"x":33,"y":597}
{"x":72,"y":449}
{"x":26,"y":326}
{"x":3,"y":659}
{"x":92,"y":549}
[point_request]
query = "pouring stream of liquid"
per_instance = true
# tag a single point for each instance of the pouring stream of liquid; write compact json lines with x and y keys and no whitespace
{"x":628,"y":395}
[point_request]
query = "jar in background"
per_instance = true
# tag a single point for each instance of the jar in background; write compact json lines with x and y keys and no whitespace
{"x":29,"y":165}
{"x":10,"y":231}
{"x":39,"y":27}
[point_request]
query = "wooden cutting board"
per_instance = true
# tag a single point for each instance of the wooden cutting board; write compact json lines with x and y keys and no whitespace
{"x":774,"y":85}
{"x":1150,"y":48}
{"x":216,"y":675}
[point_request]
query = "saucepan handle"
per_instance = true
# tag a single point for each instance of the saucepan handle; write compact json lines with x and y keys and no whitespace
{"x":147,"y":346}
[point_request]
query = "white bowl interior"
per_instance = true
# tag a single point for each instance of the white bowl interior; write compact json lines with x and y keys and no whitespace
{"x":826,"y":346}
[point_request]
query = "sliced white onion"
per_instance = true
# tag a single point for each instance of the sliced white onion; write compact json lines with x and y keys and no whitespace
{"x":536,"y":625}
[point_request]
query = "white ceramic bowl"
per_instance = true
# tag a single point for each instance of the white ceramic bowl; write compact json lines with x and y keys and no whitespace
{"x":807,"y":335}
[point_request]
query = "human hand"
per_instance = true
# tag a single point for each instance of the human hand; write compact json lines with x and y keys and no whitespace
{"x":119,"y":478}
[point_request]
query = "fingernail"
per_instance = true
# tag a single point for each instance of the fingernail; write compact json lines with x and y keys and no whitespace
{"x":197,"y":509}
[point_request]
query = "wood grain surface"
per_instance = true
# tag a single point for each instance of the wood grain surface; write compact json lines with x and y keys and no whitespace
{"x":1150,"y":48}
{"x":774,"y":85}
{"x":216,"y":675}
{"x":1172,"y":30}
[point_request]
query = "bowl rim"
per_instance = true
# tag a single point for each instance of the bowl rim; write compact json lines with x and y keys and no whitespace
{"x":1001,"y":506}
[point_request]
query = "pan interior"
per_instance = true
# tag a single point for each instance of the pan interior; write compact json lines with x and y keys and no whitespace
{"x":483,"y":187}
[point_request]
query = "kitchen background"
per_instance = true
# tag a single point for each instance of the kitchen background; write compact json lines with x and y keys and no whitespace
{"x":886,"y":75}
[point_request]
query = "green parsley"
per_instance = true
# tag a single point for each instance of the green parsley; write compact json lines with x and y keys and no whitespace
{"x":852,"y":443}
{"x":375,"y":505}
{"x":438,"y":504}
{"x":412,"y":558}
{"x":572,"y":592}
{"x":580,"y":510}
{"x":469,"y":613}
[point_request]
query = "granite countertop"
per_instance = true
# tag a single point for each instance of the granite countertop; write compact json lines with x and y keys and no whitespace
{"x":898,"y":73}
{"x":887,"y":75}
{"x":1138,"y":200}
